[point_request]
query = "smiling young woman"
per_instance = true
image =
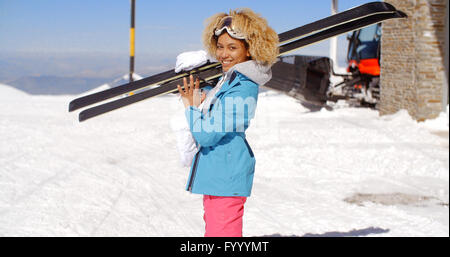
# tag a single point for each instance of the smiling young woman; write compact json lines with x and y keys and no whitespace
{"x":224,"y":164}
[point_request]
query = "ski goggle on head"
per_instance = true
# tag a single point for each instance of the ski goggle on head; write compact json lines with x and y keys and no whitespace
{"x":227,"y":24}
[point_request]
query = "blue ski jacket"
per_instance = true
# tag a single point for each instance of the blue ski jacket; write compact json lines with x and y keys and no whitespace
{"x":224,"y":164}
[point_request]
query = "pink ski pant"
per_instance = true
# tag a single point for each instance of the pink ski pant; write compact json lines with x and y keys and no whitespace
{"x":223,"y":215}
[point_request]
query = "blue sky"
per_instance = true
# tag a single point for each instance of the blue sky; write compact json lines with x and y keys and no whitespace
{"x":163,"y":28}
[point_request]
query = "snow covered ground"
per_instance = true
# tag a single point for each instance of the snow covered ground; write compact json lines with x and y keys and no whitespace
{"x":346,"y":172}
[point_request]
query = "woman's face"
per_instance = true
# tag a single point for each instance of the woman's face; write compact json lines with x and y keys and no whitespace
{"x":231,"y":51}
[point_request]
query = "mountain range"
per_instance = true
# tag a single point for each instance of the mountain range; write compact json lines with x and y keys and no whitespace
{"x":56,"y":85}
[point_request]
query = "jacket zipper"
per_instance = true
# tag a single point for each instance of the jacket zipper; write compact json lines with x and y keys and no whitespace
{"x":194,"y":170}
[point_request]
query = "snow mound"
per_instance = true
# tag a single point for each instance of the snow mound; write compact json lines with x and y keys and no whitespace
{"x":135,"y":77}
{"x":11,"y":92}
{"x":439,"y":123}
{"x":97,"y":89}
{"x":400,"y":117}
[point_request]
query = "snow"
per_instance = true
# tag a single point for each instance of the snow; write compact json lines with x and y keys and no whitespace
{"x":11,"y":92}
{"x":345,"y":172}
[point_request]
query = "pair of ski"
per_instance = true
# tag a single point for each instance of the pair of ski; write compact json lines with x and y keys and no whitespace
{"x":291,"y":40}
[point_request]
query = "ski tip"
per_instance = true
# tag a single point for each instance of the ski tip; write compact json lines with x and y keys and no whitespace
{"x":72,"y":106}
{"x":82,"y":117}
{"x":386,"y":5}
{"x":87,"y":114}
{"x":401,"y":14}
{"x":75,"y":105}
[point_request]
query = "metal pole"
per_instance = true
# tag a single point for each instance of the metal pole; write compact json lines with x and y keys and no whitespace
{"x":133,"y":2}
{"x":333,"y":41}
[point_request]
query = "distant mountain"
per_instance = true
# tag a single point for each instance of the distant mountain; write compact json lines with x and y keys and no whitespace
{"x":54,"y":85}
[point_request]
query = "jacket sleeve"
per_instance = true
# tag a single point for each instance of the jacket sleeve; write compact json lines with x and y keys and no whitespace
{"x":232,"y":114}
{"x":186,"y":145}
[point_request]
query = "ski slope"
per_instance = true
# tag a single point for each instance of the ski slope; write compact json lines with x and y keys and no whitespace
{"x":346,"y":172}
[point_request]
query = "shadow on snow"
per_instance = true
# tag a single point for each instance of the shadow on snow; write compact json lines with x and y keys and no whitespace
{"x":352,"y":233}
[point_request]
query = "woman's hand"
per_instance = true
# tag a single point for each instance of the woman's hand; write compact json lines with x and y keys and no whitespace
{"x":191,"y":93}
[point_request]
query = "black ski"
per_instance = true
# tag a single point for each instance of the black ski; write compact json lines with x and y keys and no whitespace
{"x":167,"y":88}
{"x":336,"y":20}
{"x":294,"y":34}
{"x":344,"y":25}
{"x":129,"y":87}
{"x":342,"y":28}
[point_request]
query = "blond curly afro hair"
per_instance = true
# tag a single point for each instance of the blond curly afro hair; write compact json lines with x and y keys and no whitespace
{"x":262,"y":40}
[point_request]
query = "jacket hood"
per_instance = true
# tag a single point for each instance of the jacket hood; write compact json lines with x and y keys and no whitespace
{"x":260,"y":74}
